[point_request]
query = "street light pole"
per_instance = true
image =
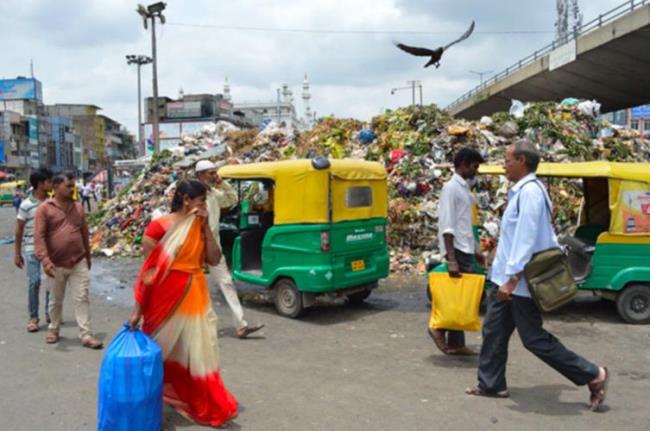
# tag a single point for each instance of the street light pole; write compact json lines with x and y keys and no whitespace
{"x":139,"y":60}
{"x":151,"y":12}
{"x":156,"y":126}
{"x":411,"y":86}
{"x":480,"y":74}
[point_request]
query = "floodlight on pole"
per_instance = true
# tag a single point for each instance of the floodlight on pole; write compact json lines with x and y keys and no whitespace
{"x":139,"y":60}
{"x":411,"y":86}
{"x":152,"y":12}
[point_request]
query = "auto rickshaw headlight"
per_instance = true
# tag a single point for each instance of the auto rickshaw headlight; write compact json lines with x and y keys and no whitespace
{"x":324,"y":242}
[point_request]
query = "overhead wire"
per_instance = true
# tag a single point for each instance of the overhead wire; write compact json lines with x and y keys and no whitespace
{"x":344,"y":31}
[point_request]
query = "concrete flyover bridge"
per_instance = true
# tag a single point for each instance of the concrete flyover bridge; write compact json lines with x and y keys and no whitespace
{"x":608,"y":60}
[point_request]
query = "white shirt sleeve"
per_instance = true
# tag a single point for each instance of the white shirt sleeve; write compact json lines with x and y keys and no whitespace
{"x":531,"y":205}
{"x":226,"y":195}
{"x":446,"y":211}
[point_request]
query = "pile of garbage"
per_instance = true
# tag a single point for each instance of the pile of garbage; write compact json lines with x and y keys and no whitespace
{"x":416,"y":144}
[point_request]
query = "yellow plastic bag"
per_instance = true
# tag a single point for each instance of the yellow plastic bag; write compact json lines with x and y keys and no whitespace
{"x":455,"y":301}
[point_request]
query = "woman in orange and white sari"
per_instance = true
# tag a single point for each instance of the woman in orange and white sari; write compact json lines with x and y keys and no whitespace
{"x":172,"y":297}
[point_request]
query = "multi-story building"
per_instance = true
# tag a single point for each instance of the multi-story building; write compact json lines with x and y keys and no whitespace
{"x":185,"y":115}
{"x":637,"y":118}
{"x":24,"y":96}
{"x":118,"y":143}
{"x":87,"y":126}
{"x":14,"y":143}
{"x":62,"y":149}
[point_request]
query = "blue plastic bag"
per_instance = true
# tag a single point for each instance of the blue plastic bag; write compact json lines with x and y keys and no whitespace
{"x":131,"y":384}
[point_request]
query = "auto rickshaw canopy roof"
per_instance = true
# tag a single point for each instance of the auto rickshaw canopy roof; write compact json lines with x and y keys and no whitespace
{"x":623,"y":205}
{"x":302,"y":195}
{"x":11,"y":186}
{"x":616,"y":170}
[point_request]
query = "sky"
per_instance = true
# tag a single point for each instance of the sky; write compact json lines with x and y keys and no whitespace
{"x":78,"y":48}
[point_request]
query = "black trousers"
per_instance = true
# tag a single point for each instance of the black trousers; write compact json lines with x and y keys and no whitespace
{"x":466,"y":265}
{"x":86,"y":200}
{"x":500,"y":321}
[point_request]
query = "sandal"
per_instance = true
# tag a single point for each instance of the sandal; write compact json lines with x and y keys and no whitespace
{"x":32,"y":326}
{"x":52,"y":337}
{"x":247,"y":330}
{"x":598,"y":392}
{"x":91,"y":343}
{"x":461,"y":351}
{"x":438,"y":338}
{"x":478,"y":392}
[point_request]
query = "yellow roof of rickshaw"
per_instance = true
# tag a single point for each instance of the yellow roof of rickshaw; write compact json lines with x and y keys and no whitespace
{"x":302,"y":192}
{"x":348,"y":169}
{"x":617,"y":170}
{"x":12,"y":184}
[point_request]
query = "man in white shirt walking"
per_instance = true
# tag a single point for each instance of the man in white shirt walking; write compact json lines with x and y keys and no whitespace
{"x":222,"y":195}
{"x":526,"y":229}
{"x":456,"y":237}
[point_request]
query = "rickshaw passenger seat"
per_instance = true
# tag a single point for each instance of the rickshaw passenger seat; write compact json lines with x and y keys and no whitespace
{"x":579,"y":255}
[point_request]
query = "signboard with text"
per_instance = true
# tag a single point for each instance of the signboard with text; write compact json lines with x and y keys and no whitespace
{"x":183,"y":109}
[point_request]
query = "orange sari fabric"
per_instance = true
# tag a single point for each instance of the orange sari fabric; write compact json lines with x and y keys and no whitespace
{"x":178,"y":313}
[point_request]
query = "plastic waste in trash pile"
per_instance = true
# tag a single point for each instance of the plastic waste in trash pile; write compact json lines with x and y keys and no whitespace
{"x":416,"y":144}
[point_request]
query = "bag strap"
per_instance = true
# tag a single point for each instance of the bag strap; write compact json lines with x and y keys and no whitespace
{"x":548,"y":206}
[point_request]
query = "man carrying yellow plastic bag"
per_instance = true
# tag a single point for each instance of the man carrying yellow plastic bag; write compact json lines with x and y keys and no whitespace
{"x":457,"y":245}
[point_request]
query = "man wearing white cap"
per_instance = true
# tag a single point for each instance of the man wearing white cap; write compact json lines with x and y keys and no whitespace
{"x":222,"y":195}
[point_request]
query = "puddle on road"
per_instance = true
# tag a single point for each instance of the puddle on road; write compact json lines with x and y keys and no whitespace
{"x":113,"y":279}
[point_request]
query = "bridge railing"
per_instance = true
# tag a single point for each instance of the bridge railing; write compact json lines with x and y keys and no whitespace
{"x":602,"y":19}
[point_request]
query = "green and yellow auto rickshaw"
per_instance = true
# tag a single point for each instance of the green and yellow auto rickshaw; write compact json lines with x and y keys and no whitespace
{"x":7,"y":190}
{"x":305,"y":228}
{"x":609,"y":253}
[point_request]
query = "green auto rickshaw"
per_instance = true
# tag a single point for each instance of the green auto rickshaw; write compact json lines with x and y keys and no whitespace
{"x":609,"y":253}
{"x":7,"y":190}
{"x":305,"y":228}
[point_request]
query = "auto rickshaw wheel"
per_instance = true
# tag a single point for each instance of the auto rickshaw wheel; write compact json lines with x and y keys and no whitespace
{"x":288,"y":301}
{"x":633,"y":304}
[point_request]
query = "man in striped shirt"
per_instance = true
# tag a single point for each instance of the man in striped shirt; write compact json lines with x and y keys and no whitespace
{"x":41,"y":181}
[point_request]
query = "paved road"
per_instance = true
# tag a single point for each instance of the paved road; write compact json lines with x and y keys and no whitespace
{"x":338,"y":368}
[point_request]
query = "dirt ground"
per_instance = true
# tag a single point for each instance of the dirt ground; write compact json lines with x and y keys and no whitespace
{"x":371,"y":367}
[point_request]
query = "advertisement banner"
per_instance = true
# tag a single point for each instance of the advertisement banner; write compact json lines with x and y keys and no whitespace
{"x":20,"y":89}
{"x":631,"y":210}
{"x":2,"y":152}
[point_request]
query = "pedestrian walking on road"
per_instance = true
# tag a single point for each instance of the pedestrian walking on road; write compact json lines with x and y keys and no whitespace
{"x":172,"y":296}
{"x":222,"y":195}
{"x":62,"y":244}
{"x":86,"y":193}
{"x":526,"y":229}
{"x":17,"y":199}
{"x":41,"y":182}
{"x":456,"y":237}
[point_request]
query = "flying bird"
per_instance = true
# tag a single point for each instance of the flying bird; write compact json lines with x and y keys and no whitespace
{"x":435,"y":54}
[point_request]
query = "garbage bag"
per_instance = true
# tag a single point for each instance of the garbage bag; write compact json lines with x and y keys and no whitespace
{"x":455,"y":301}
{"x":131,"y":384}
{"x":590,"y":108}
{"x":517,"y":108}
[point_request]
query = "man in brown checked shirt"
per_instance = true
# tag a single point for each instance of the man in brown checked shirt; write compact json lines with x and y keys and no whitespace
{"x":62,"y":245}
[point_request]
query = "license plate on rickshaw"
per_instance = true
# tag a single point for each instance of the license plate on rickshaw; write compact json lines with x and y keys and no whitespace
{"x":358,"y":265}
